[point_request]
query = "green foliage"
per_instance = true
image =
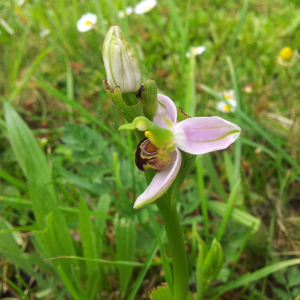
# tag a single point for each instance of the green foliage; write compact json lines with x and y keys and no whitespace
{"x":126,"y":235}
{"x":61,"y":186}
{"x":161,"y":293}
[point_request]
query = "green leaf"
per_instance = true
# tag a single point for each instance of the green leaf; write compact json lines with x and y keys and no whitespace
{"x":209,"y":167}
{"x":293,"y":277}
{"x":162,"y":292}
{"x":212,"y":263}
{"x":88,"y":238}
{"x":202,"y":252}
{"x":142,"y":273}
{"x":55,"y":241}
{"x":100,"y":222}
{"x":163,"y":255}
{"x":26,"y":148}
{"x":247,"y":278}
{"x":11,"y":250}
{"x":125,"y":239}
{"x":69,"y":284}
{"x":228,"y":210}
{"x":237,"y":215}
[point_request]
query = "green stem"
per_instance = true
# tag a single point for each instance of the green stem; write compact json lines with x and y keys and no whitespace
{"x":176,"y":243}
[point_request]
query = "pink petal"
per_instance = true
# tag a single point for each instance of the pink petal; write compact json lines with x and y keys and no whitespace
{"x":166,"y":108}
{"x":161,"y":181}
{"x":203,"y":135}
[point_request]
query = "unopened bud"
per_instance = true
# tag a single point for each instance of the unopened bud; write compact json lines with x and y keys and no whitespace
{"x":149,"y":99}
{"x":212,"y":262}
{"x":121,"y":63}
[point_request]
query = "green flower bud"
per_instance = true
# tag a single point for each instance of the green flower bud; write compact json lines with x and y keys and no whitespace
{"x":121,"y":63}
{"x":149,"y":99}
{"x":212,"y":262}
{"x":199,"y":267}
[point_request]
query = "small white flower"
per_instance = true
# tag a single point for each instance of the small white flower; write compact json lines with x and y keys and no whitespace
{"x":228,"y":94}
{"x":86,"y":22}
{"x":45,"y":32}
{"x":196,"y":51}
{"x":129,"y":10}
{"x":222,"y":106}
{"x":21,"y":2}
{"x":144,"y":6}
{"x":121,"y":14}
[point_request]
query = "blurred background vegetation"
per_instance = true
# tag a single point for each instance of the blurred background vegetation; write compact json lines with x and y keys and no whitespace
{"x":54,"y":82}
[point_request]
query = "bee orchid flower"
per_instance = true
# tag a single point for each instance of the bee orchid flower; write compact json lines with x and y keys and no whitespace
{"x":165,"y":136}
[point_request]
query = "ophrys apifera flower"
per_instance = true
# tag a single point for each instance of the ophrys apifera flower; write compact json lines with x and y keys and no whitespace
{"x":165,"y":136}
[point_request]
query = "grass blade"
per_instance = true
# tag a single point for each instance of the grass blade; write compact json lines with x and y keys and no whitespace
{"x":228,"y":210}
{"x":162,"y":251}
{"x":248,"y":278}
{"x":237,"y":215}
{"x":88,"y":238}
{"x":214,"y":177}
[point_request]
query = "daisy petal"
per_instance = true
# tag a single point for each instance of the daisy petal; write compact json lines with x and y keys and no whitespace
{"x":206,"y":134}
{"x":161,"y":181}
{"x":166,"y":109}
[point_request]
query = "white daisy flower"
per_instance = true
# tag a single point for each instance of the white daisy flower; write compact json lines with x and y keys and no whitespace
{"x":121,"y":14}
{"x":222,"y":106}
{"x":228,"y":94}
{"x":128,"y":11}
{"x":144,"y":6}
{"x":45,"y":32}
{"x":86,"y":22}
{"x":196,"y":51}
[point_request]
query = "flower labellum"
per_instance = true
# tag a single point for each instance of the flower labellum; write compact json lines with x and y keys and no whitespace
{"x":165,"y":136}
{"x":121,"y":63}
{"x":86,"y":22}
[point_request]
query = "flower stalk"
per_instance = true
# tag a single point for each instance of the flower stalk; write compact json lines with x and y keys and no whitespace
{"x":172,"y":225}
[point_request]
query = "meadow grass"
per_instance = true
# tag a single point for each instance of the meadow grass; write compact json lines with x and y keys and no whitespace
{"x":68,"y":182}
